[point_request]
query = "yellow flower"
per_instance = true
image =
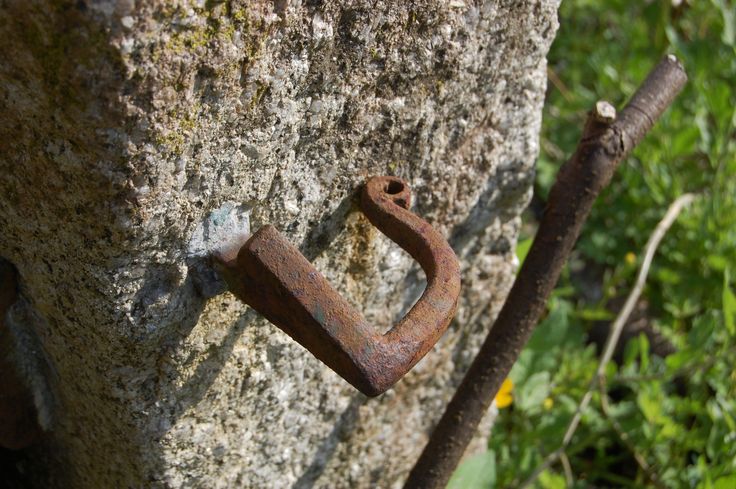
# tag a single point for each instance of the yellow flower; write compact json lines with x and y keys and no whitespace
{"x":504,"y":397}
{"x":630,"y":258}
{"x":548,"y":403}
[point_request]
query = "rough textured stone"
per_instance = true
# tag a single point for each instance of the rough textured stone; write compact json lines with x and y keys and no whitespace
{"x":140,"y":135}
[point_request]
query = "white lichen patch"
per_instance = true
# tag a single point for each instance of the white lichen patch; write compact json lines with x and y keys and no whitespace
{"x":224,"y":227}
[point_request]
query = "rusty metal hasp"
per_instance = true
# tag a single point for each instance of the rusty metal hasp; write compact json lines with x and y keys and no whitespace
{"x":271,"y":275}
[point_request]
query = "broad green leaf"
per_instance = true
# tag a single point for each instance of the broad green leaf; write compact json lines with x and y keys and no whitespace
{"x":477,"y":472}
{"x":531,"y":394}
{"x":717,"y":262}
{"x":553,"y":329}
{"x":649,"y":401}
{"x":725,"y":482}
{"x":678,"y":359}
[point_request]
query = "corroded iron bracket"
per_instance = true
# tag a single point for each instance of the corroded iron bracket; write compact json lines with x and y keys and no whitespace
{"x":271,"y":275}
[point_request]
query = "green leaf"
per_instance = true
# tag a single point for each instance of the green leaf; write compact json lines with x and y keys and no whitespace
{"x":729,"y":305}
{"x":728,"y":35}
{"x":553,"y":329}
{"x":550,"y":480}
{"x":631,"y":353}
{"x":703,"y":331}
{"x":727,"y":417}
{"x":717,"y":262}
{"x":678,"y":359}
{"x":477,"y":472}
{"x":685,"y":141}
{"x":725,"y":482}
{"x":532,"y":393}
{"x":522,"y":249}
{"x":649,"y":401}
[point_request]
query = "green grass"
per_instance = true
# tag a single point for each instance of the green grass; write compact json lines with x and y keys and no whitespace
{"x":678,"y":413}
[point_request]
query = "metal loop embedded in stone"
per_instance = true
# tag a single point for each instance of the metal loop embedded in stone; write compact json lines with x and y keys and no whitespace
{"x":273,"y":277}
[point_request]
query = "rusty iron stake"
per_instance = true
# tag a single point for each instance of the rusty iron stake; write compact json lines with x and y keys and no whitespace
{"x":271,"y":275}
{"x":606,"y":140}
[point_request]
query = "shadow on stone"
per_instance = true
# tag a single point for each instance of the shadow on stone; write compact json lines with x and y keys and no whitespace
{"x":342,"y":428}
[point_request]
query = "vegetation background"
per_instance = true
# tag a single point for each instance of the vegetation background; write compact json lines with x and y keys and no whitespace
{"x":666,"y":414}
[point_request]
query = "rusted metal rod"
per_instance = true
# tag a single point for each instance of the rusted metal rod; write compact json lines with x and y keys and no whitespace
{"x":606,"y":140}
{"x":270,"y":275}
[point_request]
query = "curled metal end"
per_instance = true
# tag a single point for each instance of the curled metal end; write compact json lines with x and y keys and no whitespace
{"x":270,"y":275}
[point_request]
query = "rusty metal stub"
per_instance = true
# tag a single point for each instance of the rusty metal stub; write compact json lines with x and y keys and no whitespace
{"x":271,"y":275}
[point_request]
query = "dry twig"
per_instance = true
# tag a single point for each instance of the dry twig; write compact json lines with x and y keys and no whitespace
{"x":615,"y":332}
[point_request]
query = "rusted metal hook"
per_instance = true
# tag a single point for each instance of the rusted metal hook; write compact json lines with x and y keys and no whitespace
{"x":270,"y":275}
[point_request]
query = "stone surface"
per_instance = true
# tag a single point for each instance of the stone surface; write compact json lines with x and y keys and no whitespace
{"x":140,"y":135}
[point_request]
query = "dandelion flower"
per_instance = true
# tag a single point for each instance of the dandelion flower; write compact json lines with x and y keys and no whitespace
{"x":504,"y":397}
